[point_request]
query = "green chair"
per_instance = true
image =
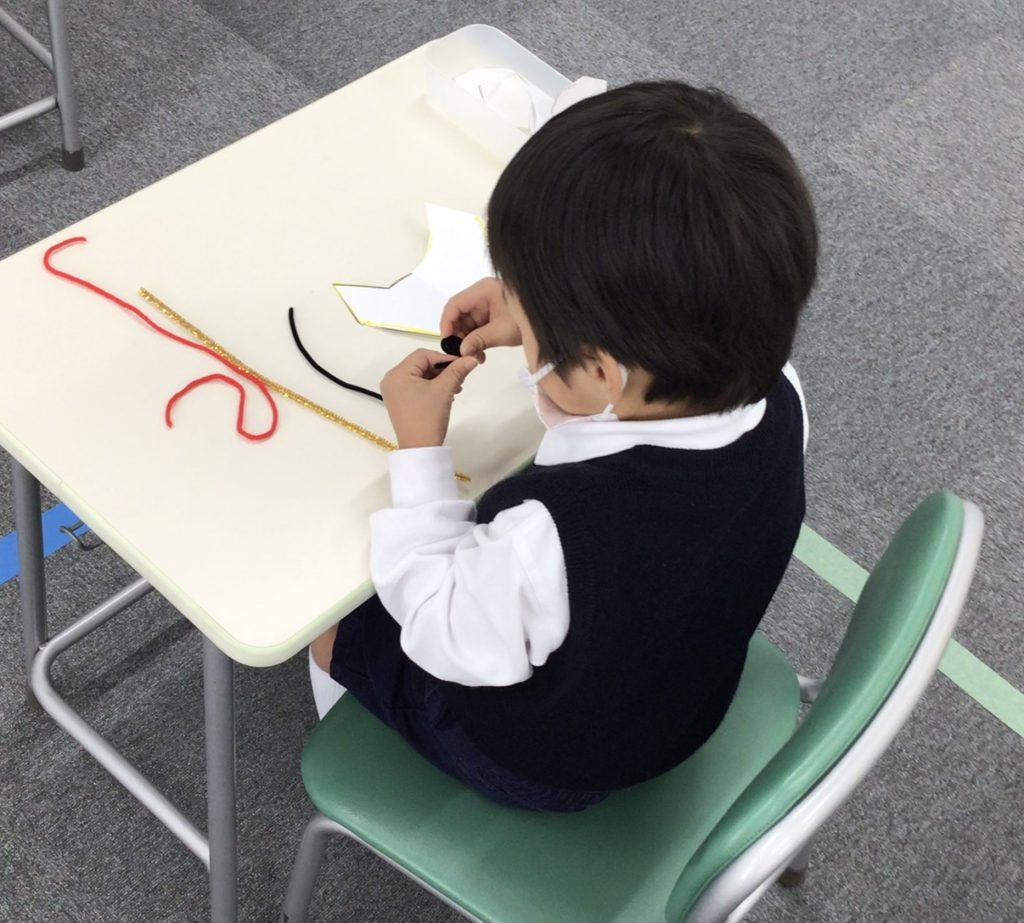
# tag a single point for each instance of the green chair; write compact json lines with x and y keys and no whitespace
{"x":698,"y":844}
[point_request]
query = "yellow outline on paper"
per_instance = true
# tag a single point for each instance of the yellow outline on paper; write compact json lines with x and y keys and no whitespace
{"x":337,"y":286}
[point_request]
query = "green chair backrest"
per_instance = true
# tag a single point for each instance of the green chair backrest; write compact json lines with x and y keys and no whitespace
{"x":888,"y":622}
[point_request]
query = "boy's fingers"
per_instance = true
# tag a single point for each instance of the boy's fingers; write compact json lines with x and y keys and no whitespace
{"x":499,"y":332}
{"x":469,"y":308}
{"x":451,"y":320}
{"x":422,"y":361}
{"x":461,"y":319}
{"x":451,"y":315}
{"x":476,"y":342}
{"x":458,"y":372}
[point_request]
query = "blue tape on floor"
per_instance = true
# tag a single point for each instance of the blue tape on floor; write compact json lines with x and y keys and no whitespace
{"x":53,"y":538}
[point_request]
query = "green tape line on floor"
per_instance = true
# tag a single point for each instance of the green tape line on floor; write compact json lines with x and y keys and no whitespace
{"x":973,"y":676}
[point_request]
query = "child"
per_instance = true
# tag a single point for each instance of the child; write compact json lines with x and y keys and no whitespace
{"x":584,"y":627}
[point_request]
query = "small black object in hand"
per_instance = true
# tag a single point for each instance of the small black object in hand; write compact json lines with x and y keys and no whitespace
{"x":452,"y":345}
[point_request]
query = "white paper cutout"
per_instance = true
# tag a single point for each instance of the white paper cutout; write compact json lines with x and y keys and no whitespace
{"x":456,"y":257}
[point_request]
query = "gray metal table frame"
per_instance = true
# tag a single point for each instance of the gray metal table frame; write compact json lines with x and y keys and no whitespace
{"x":58,"y":62}
{"x":218,"y":849}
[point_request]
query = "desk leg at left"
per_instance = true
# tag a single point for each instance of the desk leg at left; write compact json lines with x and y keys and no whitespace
{"x":219,"y":695}
{"x":72,"y":157}
{"x":31,"y":583}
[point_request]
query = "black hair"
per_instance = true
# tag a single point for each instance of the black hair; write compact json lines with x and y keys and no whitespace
{"x":664,"y":225}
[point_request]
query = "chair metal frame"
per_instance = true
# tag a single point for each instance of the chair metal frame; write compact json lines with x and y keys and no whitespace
{"x":58,"y":62}
{"x":310,"y":857}
{"x":785,"y":845}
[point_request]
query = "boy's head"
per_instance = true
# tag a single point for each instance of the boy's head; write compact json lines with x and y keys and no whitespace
{"x":662,"y":225}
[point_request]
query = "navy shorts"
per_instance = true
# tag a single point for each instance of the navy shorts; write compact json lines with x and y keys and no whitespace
{"x":369,"y":662}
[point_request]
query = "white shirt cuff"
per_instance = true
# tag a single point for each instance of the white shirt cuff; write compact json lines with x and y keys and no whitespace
{"x":421,"y":476}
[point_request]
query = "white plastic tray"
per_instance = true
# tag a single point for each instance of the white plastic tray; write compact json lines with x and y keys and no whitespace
{"x":484,"y":46}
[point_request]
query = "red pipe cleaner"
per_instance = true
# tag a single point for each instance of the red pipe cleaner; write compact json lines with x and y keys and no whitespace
{"x":239,"y":424}
{"x":216,"y":376}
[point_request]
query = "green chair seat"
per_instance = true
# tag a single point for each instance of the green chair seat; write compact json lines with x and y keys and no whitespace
{"x":697,"y":843}
{"x":500,"y":863}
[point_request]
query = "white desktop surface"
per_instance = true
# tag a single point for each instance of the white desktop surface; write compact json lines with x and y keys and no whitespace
{"x":261,"y":545}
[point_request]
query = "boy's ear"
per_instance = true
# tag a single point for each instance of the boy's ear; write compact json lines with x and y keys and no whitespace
{"x":606,"y":370}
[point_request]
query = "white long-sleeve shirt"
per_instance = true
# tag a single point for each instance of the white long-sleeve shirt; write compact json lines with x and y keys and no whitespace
{"x":483,"y":605}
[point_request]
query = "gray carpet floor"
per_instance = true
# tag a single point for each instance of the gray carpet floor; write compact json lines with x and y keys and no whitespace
{"x":908,"y":121}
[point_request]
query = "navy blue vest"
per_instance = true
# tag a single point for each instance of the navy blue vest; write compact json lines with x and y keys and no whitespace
{"x":672,"y":557}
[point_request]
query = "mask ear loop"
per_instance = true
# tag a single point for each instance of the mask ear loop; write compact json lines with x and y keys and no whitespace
{"x":625,"y":380}
{"x":530,"y":379}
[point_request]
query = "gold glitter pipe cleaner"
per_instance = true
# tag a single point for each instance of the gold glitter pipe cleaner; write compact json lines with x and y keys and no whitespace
{"x":319,"y":410}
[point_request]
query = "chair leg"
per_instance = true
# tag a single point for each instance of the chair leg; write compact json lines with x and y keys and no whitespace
{"x":796,"y":871}
{"x":307,"y":866}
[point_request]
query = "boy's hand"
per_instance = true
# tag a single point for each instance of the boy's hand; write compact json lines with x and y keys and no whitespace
{"x":419,"y":398}
{"x":478,"y":315}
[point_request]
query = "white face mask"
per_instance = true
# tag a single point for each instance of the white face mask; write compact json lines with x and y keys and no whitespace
{"x":551,"y":415}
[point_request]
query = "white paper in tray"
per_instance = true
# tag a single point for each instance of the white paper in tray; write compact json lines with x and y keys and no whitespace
{"x":495,"y":90}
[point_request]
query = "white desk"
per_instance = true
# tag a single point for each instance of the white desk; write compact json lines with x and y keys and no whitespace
{"x":263,"y":545}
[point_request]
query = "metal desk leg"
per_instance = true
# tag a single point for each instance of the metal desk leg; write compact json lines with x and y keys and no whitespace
{"x":219,"y":695}
{"x":31,"y":584}
{"x":67,"y":102}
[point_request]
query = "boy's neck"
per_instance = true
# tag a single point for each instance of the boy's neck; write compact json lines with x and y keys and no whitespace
{"x":657,"y":410}
{"x":633,"y":406}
